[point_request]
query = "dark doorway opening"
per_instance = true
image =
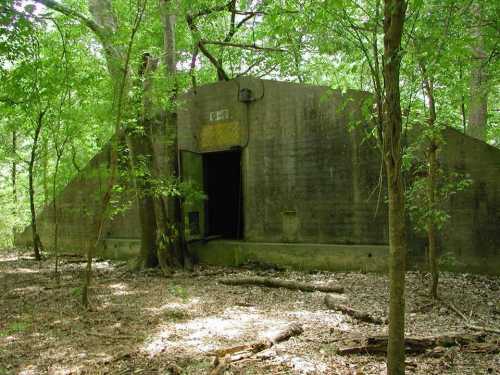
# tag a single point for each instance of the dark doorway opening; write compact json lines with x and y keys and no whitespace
{"x":224,"y":206}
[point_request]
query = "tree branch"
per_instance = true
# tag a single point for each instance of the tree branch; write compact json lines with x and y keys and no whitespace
{"x":193,"y":66}
{"x":204,"y":50}
{"x":9,"y":101}
{"x":51,"y":4}
{"x":250,"y":67}
{"x":207,"y":11}
{"x":214,"y":61}
{"x":244,"y":46}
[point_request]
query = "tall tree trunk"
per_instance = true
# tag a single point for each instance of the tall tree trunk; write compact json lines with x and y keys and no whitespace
{"x":56,"y":216}
{"x":394,"y":15}
{"x":432,"y":173}
{"x":478,"y":101}
{"x":142,"y":159}
{"x":431,"y":226}
{"x":174,"y":209}
{"x":37,"y":243}
{"x":14,"y":181}
{"x":45,"y":171}
{"x":462,"y":103}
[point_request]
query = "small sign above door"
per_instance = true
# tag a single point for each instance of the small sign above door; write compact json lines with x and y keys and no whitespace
{"x":219,"y":115}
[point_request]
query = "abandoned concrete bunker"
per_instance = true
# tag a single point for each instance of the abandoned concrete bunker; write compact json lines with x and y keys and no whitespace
{"x":291,"y":178}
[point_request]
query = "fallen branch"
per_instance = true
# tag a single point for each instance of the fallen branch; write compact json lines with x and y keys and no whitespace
{"x":70,"y":255}
{"x":413,"y":345}
{"x":484,"y":347}
{"x":277,"y":283}
{"x":474,"y":327}
{"x":224,"y":357}
{"x":112,"y":336}
{"x":332,"y":303}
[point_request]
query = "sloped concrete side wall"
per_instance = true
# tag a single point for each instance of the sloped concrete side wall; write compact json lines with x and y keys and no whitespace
{"x":473,"y":231}
{"x":76,"y":210}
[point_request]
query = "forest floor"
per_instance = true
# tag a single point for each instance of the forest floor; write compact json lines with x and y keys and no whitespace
{"x":142,"y":323}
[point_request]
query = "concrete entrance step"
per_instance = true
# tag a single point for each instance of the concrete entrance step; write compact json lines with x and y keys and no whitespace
{"x":301,"y":256}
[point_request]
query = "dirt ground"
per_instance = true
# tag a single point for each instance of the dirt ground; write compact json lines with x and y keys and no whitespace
{"x":141,"y":323}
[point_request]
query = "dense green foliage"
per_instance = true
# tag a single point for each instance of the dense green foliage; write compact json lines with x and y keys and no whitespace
{"x":54,"y":64}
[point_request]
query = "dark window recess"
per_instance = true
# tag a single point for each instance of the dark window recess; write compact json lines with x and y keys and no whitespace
{"x":194,"y":222}
{"x":224,"y":206}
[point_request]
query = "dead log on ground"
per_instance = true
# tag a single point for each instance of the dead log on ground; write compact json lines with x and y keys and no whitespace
{"x":277,"y":283}
{"x":333,"y":303}
{"x":484,"y":347}
{"x":413,"y":345}
{"x":224,"y":357}
{"x":74,"y":261}
{"x":474,"y":327}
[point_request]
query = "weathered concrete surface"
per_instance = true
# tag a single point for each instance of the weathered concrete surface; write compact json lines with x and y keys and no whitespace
{"x":301,"y":256}
{"x":471,"y":239}
{"x":77,"y":205}
{"x":310,"y":176}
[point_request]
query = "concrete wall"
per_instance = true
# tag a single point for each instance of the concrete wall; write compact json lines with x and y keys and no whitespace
{"x":472,"y":234}
{"x":312,"y":172}
{"x":310,"y":176}
{"x":301,"y":256}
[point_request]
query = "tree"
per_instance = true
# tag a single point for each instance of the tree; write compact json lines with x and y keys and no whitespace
{"x":29,"y":76}
{"x":394,"y":17}
{"x":478,"y":97}
{"x":426,"y":188}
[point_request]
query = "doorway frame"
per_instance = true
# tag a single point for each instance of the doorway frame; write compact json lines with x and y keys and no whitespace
{"x":241,"y":202}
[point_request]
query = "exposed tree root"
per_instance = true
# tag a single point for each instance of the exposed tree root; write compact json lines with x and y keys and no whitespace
{"x":224,"y":357}
{"x":333,"y":303}
{"x":287,"y":284}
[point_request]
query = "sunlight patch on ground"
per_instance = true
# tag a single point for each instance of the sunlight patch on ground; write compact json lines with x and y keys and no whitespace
{"x":19,"y":270}
{"x":158,"y":342}
{"x":29,"y":370}
{"x":120,"y":289}
{"x":64,"y":370}
{"x":103,"y":265}
{"x":201,"y":334}
{"x":62,"y":362}
{"x":173,"y":306}
{"x":301,"y":364}
{"x":6,"y":257}
{"x":28,"y":289}
{"x":322,"y":317}
{"x":8,"y":339}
